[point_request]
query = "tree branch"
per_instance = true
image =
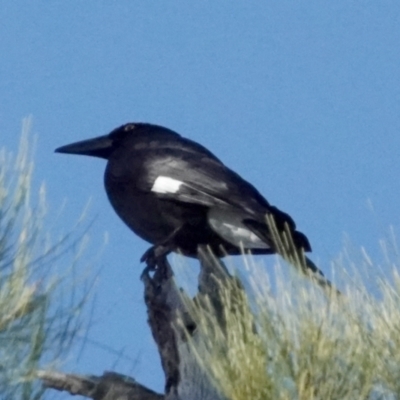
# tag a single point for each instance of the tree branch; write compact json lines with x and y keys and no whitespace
{"x":172,"y":321}
{"x":109,"y":386}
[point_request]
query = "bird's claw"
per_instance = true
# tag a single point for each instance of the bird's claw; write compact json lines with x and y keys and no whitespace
{"x":156,"y":260}
{"x":152,"y":256}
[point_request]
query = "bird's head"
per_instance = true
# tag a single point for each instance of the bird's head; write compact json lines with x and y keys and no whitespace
{"x":103,"y":146}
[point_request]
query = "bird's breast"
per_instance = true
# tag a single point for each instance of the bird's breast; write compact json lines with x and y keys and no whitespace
{"x":138,"y":210}
{"x":151,"y":218}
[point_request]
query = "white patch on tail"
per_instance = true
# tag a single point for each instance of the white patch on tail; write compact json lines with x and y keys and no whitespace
{"x":229,"y":225}
{"x":165,"y":184}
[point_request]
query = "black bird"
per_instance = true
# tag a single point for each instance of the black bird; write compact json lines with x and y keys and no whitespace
{"x":177,"y":195}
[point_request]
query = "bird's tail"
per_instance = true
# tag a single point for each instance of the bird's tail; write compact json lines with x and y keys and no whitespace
{"x":288,"y":243}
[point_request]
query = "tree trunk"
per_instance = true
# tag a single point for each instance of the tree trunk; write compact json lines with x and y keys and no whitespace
{"x":174,"y":329}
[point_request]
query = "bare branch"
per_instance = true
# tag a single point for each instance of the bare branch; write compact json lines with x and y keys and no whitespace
{"x":109,"y":386}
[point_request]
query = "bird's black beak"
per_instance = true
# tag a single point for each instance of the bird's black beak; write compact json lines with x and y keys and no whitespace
{"x":101,"y":146}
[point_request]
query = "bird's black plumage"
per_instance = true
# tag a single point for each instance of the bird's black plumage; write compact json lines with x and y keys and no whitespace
{"x":177,"y":195}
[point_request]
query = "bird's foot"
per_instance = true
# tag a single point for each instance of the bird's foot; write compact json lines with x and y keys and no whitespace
{"x":156,"y":260}
{"x":152,"y":256}
{"x":149,"y":258}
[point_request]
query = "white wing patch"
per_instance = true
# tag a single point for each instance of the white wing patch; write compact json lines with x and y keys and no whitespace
{"x":165,"y":184}
{"x":229,"y":226}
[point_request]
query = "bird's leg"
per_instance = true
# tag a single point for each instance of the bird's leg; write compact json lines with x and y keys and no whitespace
{"x":161,"y":270}
{"x":154,"y":253}
{"x":160,"y":250}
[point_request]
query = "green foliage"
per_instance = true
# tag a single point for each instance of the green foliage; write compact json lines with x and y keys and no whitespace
{"x":39,"y":315}
{"x":294,"y":340}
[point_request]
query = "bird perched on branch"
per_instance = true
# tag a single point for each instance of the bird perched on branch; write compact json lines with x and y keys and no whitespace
{"x":177,"y":195}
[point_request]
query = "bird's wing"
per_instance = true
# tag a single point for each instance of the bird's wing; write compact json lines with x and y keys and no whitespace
{"x":197,"y":179}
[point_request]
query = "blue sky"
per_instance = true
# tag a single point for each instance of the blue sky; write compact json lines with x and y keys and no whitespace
{"x":301,"y":98}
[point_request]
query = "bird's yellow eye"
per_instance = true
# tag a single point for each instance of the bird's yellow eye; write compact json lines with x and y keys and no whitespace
{"x":129,"y":127}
